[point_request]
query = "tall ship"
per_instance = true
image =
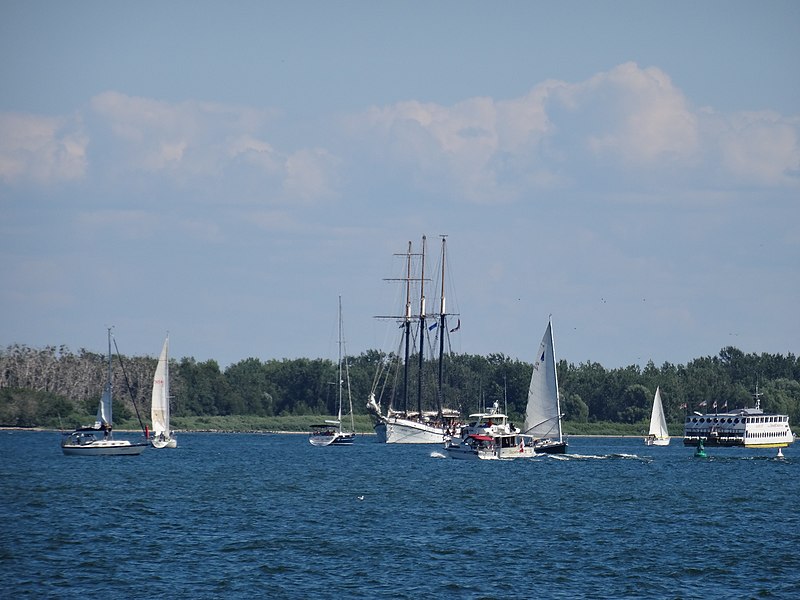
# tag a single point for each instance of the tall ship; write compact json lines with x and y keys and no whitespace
{"x":743,"y":427}
{"x":403,"y":423}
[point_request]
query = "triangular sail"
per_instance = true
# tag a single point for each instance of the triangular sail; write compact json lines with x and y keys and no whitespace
{"x":159,"y":408}
{"x":658,"y":421}
{"x":104,"y":409}
{"x":104,"y":419}
{"x":542,"y":414}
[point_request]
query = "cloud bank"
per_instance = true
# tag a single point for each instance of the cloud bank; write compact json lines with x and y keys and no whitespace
{"x":630,"y":123}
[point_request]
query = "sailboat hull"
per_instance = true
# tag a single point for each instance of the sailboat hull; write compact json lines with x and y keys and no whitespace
{"x":165,"y":443}
{"x":657,"y":441}
{"x":104,"y":448}
{"x":550,"y":447}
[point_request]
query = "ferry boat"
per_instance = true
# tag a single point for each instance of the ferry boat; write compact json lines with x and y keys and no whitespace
{"x":744,"y":427}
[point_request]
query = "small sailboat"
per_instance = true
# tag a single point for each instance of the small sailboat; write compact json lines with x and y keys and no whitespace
{"x":331,"y":432}
{"x":97,"y":439}
{"x":543,"y":411}
{"x":659,"y":434}
{"x":163,"y":437}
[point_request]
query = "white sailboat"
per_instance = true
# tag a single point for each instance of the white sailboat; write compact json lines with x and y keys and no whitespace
{"x":331,"y":432}
{"x":543,"y":411}
{"x":658,"y":434}
{"x":163,"y":436}
{"x":405,"y":425}
{"x":97,"y":439}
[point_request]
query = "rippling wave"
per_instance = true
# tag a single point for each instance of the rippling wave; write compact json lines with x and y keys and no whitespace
{"x":245,"y":515}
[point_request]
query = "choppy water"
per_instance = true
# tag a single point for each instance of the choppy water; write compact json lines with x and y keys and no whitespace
{"x":244,"y":515}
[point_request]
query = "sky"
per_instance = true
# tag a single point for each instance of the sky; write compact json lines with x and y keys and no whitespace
{"x":224,"y":171}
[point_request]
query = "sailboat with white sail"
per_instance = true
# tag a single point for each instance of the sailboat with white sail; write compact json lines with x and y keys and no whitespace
{"x":97,"y":439}
{"x":331,"y":432}
{"x":403,"y":425}
{"x":543,"y":410}
{"x":163,"y":436}
{"x":658,"y":434}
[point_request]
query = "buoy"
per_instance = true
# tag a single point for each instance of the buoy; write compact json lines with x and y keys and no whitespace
{"x":701,"y":451}
{"x":780,"y":454}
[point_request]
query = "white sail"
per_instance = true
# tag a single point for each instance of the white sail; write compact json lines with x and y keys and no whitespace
{"x":159,"y":408}
{"x":658,"y":422}
{"x":542,"y":414}
{"x":104,"y":408}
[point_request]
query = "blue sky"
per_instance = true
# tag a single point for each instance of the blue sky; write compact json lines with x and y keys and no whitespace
{"x":225,"y":170}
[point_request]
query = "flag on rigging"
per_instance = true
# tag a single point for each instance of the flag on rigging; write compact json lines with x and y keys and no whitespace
{"x":457,"y":327}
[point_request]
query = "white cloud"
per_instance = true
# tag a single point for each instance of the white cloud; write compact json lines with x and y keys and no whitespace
{"x":761,"y":148}
{"x":309,"y":175}
{"x":629,"y":121}
{"x":41,"y":149}
{"x":643,"y":118}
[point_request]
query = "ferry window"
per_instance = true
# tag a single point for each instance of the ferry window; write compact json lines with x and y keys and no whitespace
{"x":736,"y":420}
{"x":702,"y":420}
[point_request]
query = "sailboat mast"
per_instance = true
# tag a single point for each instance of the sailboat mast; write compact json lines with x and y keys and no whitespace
{"x":555,"y":372}
{"x":442,"y":333}
{"x":421,"y":329}
{"x":340,"y":364}
{"x":109,"y":372}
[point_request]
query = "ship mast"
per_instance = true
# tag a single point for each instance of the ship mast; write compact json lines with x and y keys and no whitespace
{"x":421,"y":329}
{"x":442,"y":332}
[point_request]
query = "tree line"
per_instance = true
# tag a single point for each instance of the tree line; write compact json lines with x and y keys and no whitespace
{"x":54,"y":386}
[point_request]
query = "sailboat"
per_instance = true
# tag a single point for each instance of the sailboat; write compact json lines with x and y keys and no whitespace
{"x":163,"y":437}
{"x":659,"y":434}
{"x":331,"y":432}
{"x":97,"y":439}
{"x":543,"y":411}
{"x":405,"y":425}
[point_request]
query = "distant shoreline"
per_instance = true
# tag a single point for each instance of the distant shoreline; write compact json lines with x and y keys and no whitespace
{"x":274,"y":432}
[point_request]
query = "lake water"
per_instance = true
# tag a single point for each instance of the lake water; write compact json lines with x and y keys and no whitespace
{"x":248,"y":515}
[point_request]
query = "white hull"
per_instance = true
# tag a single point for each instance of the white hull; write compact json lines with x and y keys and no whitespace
{"x":104,"y":448}
{"x":169,"y":442}
{"x":465,"y":453}
{"x":657,"y":441}
{"x":403,"y":431}
{"x":339,"y":439}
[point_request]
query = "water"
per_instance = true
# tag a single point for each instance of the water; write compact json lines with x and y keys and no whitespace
{"x":247,"y":515}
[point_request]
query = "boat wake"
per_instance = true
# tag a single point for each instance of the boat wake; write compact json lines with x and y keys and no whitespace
{"x":436,"y":454}
{"x":615,"y":456}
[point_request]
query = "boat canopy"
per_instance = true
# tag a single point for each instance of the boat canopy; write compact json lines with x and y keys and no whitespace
{"x":482,"y":438}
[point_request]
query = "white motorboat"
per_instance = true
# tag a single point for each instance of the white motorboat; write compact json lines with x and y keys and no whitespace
{"x":490,"y":436}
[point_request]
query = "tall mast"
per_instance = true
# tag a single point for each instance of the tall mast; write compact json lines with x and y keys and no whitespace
{"x":340,"y":363}
{"x":109,"y":367}
{"x":421,"y":329}
{"x":442,"y":332}
{"x":407,"y":328}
